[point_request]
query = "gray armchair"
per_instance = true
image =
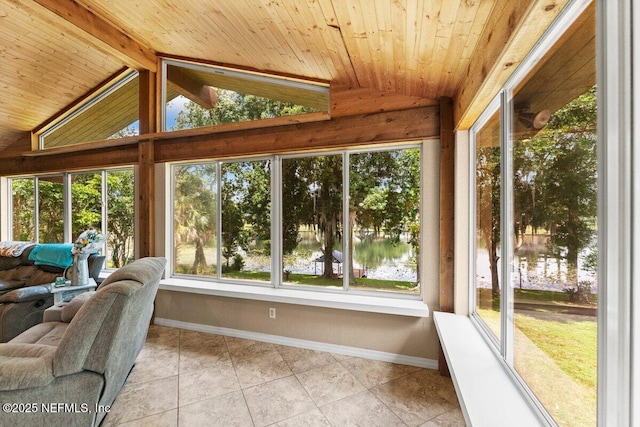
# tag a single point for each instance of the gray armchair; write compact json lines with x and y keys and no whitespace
{"x":69,"y":372}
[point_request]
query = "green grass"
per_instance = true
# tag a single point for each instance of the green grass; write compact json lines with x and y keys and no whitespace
{"x":552,"y":297}
{"x":572,"y":345}
{"x":311,"y":280}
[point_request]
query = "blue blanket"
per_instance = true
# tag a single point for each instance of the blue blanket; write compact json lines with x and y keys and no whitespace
{"x":55,"y":254}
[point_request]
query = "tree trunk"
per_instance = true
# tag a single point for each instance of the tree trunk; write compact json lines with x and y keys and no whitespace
{"x":328,"y":249}
{"x":352,"y":220}
{"x":199,"y":259}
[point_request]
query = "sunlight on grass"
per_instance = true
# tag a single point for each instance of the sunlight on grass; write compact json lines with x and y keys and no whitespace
{"x":572,"y":345}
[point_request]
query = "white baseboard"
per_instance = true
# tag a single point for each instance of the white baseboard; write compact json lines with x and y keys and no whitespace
{"x":310,"y":345}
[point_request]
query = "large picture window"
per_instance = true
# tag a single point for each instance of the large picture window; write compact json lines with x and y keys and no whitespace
{"x":349,"y":220}
{"x":536,"y":224}
{"x":60,"y":207}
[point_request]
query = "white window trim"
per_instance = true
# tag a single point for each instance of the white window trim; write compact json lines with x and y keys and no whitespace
{"x":314,"y":298}
{"x":619,"y":234}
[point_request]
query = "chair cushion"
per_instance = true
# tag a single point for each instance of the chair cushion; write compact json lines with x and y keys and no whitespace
{"x":25,"y":366}
{"x":49,"y":333}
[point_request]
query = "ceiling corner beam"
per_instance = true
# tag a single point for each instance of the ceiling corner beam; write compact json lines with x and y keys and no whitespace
{"x":119,"y":44}
{"x":511,"y":31}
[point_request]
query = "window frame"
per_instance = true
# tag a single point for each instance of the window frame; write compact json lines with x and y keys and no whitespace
{"x":275,"y":282}
{"x":249,"y":76}
{"x":504,"y":348}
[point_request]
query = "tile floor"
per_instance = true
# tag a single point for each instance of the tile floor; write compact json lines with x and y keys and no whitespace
{"x":187,"y":378}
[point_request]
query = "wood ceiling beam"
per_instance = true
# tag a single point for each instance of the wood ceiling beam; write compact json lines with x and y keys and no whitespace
{"x":189,"y":87}
{"x":228,"y":141}
{"x":512,"y":30}
{"x":119,"y":44}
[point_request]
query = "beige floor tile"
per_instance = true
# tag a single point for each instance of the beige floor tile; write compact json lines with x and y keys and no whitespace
{"x":329,"y":383}
{"x":186,"y":378}
{"x":228,"y":410}
{"x":453,"y":418}
{"x":313,"y":418}
{"x":277,"y":400}
{"x":143,"y":399}
{"x":301,"y":359}
{"x":164,"y":419}
{"x":194,"y":341}
{"x":260,"y":368}
{"x":240,"y":348}
{"x":419,"y":397}
{"x":372,"y":373}
{"x":362,"y":409}
{"x":197,"y":360}
{"x":155,"y":365}
{"x":207,"y":383}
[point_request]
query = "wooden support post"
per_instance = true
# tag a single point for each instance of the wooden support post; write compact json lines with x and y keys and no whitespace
{"x":146,"y":165}
{"x":447,"y":187}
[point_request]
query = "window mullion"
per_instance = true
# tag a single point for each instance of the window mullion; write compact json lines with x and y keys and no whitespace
{"x":276,"y":222}
{"x":218,"y":220}
{"x":506,"y":228}
{"x":346,"y":229}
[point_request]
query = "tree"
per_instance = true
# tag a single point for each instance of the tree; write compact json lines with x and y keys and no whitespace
{"x":384,"y":194}
{"x":120,"y":222}
{"x":488,"y":208}
{"x":195,"y":210}
{"x":23,"y":204}
{"x":246,"y":198}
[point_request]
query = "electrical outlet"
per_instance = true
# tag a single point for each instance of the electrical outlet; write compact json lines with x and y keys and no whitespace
{"x":272,"y":313}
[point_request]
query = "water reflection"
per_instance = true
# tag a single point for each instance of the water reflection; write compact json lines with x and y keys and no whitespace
{"x":374,"y":257}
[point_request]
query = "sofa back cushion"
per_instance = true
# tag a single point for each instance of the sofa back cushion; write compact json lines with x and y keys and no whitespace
{"x":109,"y":330}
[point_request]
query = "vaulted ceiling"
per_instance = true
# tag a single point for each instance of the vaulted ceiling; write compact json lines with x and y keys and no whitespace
{"x":54,"y":52}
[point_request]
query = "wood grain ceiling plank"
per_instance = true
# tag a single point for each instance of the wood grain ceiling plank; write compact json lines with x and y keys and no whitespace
{"x":343,"y":70}
{"x":470,"y":15}
{"x":443,"y":44}
{"x":392,"y":19}
{"x":423,"y":48}
{"x":355,"y":35}
{"x":120,"y":44}
{"x":309,"y":37}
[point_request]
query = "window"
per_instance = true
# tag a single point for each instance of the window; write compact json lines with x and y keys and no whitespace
{"x":196,"y":95}
{"x":50,"y":213}
{"x":487,"y":223}
{"x":111,"y":113}
{"x":349,"y":220}
{"x":535,"y":208}
{"x":102,"y":200}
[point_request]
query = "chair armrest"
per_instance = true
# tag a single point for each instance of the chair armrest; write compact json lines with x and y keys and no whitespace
{"x":53,"y":313}
{"x":69,"y":310}
{"x":29,"y":293}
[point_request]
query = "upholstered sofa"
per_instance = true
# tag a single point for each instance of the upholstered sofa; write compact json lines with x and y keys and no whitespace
{"x":24,"y":289}
{"x":68,"y":372}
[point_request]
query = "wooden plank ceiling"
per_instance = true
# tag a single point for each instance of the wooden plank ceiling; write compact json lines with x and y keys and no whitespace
{"x":54,"y":52}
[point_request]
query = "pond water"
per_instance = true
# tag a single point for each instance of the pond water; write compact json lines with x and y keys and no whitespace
{"x":534,"y":267}
{"x":376,"y":257}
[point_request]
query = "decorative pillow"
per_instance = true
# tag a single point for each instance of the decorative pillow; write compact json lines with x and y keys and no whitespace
{"x":72,"y":307}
